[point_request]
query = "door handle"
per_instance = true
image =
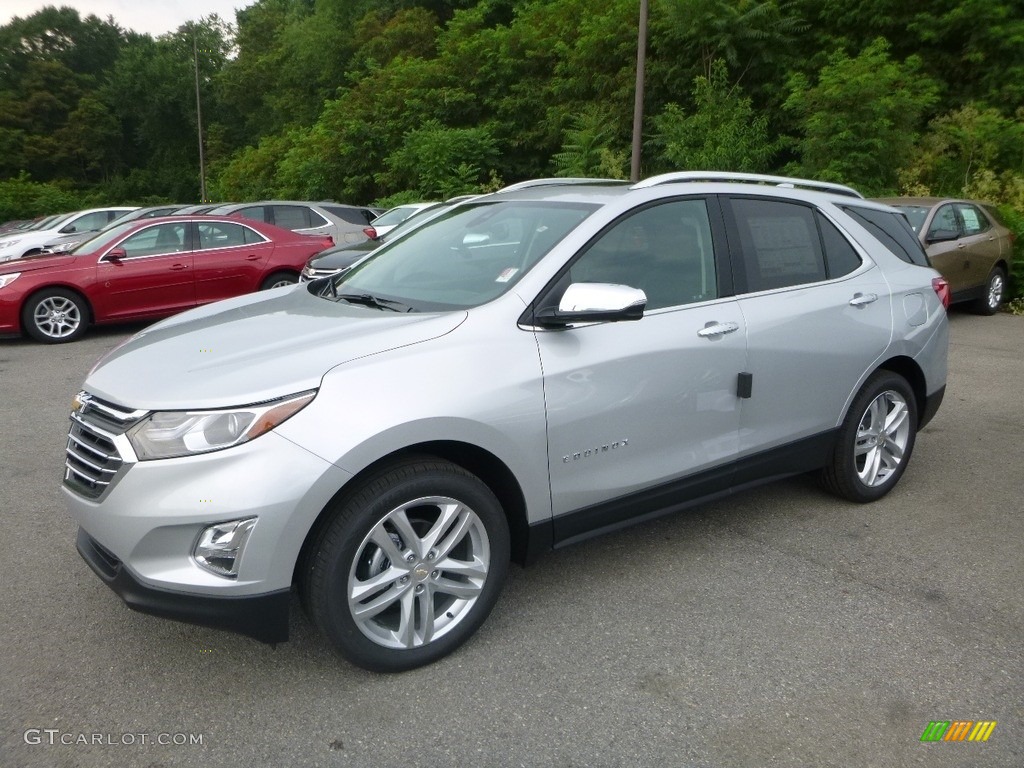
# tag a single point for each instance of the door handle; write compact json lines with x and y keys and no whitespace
{"x":713,"y":330}
{"x":252,"y":257}
{"x":178,"y":267}
{"x":863,"y":299}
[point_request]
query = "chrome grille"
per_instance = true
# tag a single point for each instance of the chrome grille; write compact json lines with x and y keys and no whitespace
{"x":92,"y":458}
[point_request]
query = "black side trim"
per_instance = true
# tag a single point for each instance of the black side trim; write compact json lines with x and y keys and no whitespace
{"x":261,"y":617}
{"x":931,"y":406}
{"x":795,"y":458}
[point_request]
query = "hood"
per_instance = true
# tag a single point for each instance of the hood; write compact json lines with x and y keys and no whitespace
{"x":31,"y":263}
{"x":251,"y":349}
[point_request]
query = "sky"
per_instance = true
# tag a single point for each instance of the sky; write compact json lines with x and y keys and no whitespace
{"x":155,"y":17}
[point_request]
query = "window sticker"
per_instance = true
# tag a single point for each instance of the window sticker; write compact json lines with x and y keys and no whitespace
{"x":971,"y":222}
{"x":506,"y":275}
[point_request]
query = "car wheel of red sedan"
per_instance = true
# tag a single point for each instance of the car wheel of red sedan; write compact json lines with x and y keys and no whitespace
{"x":55,"y":316}
{"x":279,"y":280}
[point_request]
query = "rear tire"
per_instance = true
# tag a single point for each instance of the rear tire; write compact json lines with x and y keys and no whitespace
{"x":279,"y":280}
{"x":875,"y":440}
{"x":409,"y":567}
{"x":995,"y":291}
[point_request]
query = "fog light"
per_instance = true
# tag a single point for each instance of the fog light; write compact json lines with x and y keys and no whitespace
{"x":219,"y":549}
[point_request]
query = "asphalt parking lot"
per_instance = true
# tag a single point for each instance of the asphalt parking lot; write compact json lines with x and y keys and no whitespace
{"x":780,"y":628}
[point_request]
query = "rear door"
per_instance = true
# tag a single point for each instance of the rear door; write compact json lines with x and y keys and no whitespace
{"x":230,"y":259}
{"x":946,"y":247}
{"x":153,"y":278}
{"x":980,"y":241}
{"x":644,"y":405}
{"x":811,"y":303}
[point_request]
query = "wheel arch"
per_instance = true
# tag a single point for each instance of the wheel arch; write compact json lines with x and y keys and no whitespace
{"x":491,"y":470}
{"x":90,"y":320}
{"x":909,"y":369}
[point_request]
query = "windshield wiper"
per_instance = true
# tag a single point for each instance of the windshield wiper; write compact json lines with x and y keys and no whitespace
{"x":377,"y":302}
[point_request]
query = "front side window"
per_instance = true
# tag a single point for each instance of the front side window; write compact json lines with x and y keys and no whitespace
{"x":155,"y":240}
{"x":90,"y":222}
{"x":779,"y":244}
{"x":461,"y":259}
{"x":944,"y":226}
{"x":665,"y":250}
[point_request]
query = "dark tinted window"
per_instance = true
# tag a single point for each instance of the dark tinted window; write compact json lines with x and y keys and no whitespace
{"x":840,"y":257}
{"x":359,"y":216}
{"x":665,"y":250}
{"x":254,"y":212}
{"x":291,"y":216}
{"x":779,"y":242}
{"x":893,"y":231}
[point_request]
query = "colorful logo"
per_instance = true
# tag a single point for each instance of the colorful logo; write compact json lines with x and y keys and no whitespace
{"x":958,"y":730}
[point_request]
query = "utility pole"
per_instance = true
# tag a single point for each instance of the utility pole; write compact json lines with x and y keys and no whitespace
{"x":199,"y":122}
{"x":638,"y":103}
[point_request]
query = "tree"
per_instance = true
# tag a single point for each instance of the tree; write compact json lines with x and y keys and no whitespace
{"x":860,"y":120}
{"x":722,"y":133}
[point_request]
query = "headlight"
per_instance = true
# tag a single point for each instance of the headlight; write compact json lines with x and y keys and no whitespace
{"x":166,"y":434}
{"x":60,"y":247}
{"x":6,"y":280}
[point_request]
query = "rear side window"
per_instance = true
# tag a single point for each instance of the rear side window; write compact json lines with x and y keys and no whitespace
{"x":893,"y":231}
{"x":779,"y":242}
{"x":359,"y":216}
{"x":254,"y":212}
{"x":291,"y":216}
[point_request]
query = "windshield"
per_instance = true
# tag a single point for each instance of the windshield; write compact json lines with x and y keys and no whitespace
{"x":461,"y":259}
{"x":916,"y":214}
{"x":102,"y":239}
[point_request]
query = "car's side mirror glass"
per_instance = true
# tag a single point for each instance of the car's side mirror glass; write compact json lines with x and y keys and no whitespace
{"x":69,"y":229}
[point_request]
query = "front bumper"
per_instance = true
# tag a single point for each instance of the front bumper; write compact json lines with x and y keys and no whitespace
{"x":261,"y":617}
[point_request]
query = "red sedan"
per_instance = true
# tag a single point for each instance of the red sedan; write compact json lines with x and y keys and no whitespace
{"x":148,"y":269}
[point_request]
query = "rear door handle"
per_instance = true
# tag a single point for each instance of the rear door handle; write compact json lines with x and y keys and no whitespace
{"x":252,"y":257}
{"x":178,"y":267}
{"x":713,"y":330}
{"x":863,"y":299}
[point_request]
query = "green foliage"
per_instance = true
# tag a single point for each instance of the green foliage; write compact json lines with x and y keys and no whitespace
{"x":21,"y":198}
{"x":861,"y":118}
{"x":587,"y":149}
{"x":441,"y":162}
{"x":722,"y":133}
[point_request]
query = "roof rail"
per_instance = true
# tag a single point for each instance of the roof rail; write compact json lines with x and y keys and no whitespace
{"x":555,"y":182}
{"x":747,"y":178}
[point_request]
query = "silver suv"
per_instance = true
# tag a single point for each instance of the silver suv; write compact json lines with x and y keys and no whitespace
{"x":345,"y":223}
{"x":529,"y":369}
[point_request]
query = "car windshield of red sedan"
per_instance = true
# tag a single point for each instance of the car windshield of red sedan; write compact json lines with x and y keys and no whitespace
{"x":461,"y":259}
{"x":104,"y":238}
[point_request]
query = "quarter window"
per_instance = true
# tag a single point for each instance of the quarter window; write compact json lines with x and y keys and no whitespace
{"x":665,"y":250}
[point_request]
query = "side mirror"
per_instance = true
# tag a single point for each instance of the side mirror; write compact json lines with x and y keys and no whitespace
{"x":594,"y":303}
{"x":114,"y":256}
{"x":69,"y":229}
{"x":942,"y":235}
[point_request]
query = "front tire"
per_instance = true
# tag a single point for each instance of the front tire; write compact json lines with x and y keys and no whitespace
{"x":995,"y":291}
{"x":875,"y":440}
{"x":55,"y":316}
{"x":409,"y":567}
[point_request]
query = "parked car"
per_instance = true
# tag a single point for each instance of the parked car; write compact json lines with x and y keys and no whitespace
{"x":147,"y":269}
{"x":392,"y":217}
{"x":344,"y":223}
{"x":967,"y":242}
{"x":80,"y":223}
{"x":339,"y":258}
{"x":65,"y":243}
{"x":525,"y":371}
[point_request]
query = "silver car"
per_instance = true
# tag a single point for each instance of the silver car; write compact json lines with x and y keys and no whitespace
{"x":529,"y":369}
